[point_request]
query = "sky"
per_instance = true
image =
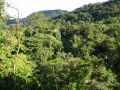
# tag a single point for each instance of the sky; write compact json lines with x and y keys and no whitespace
{"x":26,"y":7}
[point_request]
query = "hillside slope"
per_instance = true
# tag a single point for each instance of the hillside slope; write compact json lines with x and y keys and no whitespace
{"x":94,"y":12}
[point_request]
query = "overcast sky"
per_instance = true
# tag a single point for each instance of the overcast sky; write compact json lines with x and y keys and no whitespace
{"x":27,"y":7}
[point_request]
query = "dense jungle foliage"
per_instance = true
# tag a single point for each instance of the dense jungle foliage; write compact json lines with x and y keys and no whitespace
{"x":78,"y":50}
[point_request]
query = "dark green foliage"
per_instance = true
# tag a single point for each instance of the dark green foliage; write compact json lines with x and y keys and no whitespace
{"x":93,"y":12}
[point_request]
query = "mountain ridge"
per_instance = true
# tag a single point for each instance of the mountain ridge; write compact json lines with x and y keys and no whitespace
{"x":48,"y":14}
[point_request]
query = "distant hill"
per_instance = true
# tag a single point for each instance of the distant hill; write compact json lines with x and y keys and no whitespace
{"x":52,"y":13}
{"x":48,"y":14}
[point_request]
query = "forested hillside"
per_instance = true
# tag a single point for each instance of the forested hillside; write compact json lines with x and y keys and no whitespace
{"x":78,"y":50}
{"x":47,"y":13}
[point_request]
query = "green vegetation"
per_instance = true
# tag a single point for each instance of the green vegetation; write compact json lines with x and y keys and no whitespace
{"x":79,"y":50}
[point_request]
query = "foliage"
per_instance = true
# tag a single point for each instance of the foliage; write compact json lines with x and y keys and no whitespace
{"x":78,"y":50}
